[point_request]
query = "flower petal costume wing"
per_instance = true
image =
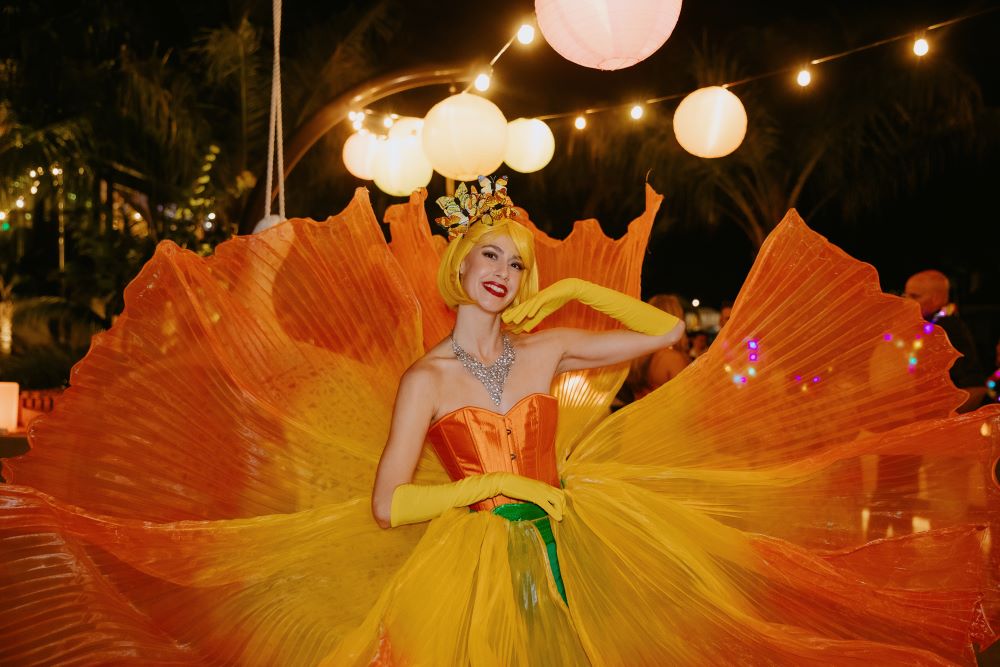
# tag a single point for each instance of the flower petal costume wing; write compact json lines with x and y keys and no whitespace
{"x":200,"y":495}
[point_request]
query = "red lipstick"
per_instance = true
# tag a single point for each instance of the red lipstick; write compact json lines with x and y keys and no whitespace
{"x":496,"y":289}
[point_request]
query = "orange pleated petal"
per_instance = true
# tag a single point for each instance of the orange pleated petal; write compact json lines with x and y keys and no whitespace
{"x":201,"y":493}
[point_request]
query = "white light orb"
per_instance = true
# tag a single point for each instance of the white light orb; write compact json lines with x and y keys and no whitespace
{"x":921,"y":47}
{"x":465,"y":136}
{"x":804,"y":78}
{"x":606,"y":34}
{"x":10,"y":401}
{"x":580,"y":122}
{"x":359,"y":154}
{"x":526,"y":33}
{"x":400,"y":164}
{"x":482,"y":82}
{"x":710,"y":122}
{"x":530,"y":145}
{"x":636,"y":112}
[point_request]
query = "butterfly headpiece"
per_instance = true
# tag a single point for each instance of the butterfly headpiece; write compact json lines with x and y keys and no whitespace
{"x":468,"y":206}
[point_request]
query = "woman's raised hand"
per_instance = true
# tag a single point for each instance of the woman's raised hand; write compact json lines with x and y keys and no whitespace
{"x":526,"y":316}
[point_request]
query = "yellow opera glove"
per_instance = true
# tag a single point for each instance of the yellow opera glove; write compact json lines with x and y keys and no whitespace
{"x":413,"y":503}
{"x":633,"y":313}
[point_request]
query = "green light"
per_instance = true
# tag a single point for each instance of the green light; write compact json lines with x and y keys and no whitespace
{"x":5,"y":227}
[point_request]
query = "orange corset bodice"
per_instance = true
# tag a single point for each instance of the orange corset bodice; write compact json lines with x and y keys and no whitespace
{"x":473,"y":440}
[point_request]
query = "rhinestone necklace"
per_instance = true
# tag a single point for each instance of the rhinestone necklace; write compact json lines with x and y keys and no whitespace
{"x":493,"y":376}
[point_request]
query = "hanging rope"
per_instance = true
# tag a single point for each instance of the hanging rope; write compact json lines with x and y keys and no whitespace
{"x":275,"y":132}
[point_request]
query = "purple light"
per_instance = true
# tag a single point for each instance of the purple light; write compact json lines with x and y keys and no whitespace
{"x":798,"y":378}
{"x":743,"y":380}
{"x":887,"y":336}
{"x":753,"y":356}
{"x":752,"y":344}
{"x":928,"y":328}
{"x":815,"y":379}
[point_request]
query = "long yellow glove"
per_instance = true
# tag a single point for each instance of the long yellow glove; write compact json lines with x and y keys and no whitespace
{"x":413,"y":503}
{"x":633,"y":313}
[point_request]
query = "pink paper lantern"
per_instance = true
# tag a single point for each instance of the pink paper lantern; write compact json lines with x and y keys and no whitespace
{"x":607,"y":34}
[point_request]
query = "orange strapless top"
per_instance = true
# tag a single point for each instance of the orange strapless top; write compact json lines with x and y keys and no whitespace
{"x":473,"y":440}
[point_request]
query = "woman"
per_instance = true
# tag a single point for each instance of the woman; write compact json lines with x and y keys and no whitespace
{"x":487,"y":270}
{"x":203,"y":492}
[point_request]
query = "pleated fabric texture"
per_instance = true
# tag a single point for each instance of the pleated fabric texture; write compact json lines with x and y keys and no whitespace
{"x":200,"y":495}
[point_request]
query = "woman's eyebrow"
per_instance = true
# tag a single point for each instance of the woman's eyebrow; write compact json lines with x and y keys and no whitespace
{"x":500,"y":250}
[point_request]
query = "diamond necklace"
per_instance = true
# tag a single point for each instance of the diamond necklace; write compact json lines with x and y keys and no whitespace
{"x":493,"y":376}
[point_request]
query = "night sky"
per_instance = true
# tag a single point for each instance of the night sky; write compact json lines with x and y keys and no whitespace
{"x":947,"y":220}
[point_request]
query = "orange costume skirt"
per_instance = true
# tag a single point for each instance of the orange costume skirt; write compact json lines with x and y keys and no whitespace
{"x":201,"y":493}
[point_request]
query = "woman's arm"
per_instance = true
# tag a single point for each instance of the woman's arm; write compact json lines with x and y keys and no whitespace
{"x":580,"y":349}
{"x":411,"y":417}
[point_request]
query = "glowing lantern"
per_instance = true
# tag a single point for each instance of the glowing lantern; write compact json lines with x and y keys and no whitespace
{"x":606,"y":34}
{"x":10,"y":398}
{"x":359,"y":154}
{"x":465,"y":136}
{"x":710,"y":122}
{"x":530,"y":145}
{"x":400,"y":164}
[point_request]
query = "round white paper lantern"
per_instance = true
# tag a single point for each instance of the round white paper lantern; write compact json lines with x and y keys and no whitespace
{"x":359,"y":154}
{"x":710,"y":122}
{"x":606,"y":34}
{"x":465,"y":136}
{"x":400,"y":164}
{"x":530,"y":145}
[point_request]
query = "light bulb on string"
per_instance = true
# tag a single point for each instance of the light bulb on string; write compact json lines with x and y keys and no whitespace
{"x":33,"y":173}
{"x":352,"y":115}
{"x":804,"y":77}
{"x":482,"y":82}
{"x":526,"y":33}
{"x":921,"y":47}
{"x":20,"y":202}
{"x":580,"y":122}
{"x":636,"y":112}
{"x":3,"y":215}
{"x":357,"y":124}
{"x":387,"y":122}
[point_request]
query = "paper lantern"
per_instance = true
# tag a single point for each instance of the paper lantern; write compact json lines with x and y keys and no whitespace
{"x":400,"y":164}
{"x":359,"y":154}
{"x":606,"y":34}
{"x":530,"y":145}
{"x":10,"y":398}
{"x":465,"y":136}
{"x":710,"y":122}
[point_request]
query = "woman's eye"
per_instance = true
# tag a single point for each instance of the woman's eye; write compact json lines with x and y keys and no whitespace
{"x":490,"y":254}
{"x":518,"y":266}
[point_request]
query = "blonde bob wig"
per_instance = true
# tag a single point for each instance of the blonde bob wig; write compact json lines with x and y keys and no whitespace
{"x":450,"y":282}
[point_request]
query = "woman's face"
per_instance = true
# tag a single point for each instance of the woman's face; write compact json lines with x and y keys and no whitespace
{"x":491,"y":272}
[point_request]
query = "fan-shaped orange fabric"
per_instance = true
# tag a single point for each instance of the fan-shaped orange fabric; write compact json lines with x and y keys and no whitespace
{"x":200,"y":495}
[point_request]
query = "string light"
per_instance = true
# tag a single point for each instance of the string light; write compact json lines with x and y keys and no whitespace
{"x":803,"y":76}
{"x":526,"y":33}
{"x":33,"y":173}
{"x":695,"y":302}
{"x":387,"y":122}
{"x":3,"y":216}
{"x":20,"y":202}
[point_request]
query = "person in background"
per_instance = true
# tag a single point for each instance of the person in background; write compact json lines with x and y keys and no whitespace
{"x":725,"y":311}
{"x":651,"y":371}
{"x":930,"y":289}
